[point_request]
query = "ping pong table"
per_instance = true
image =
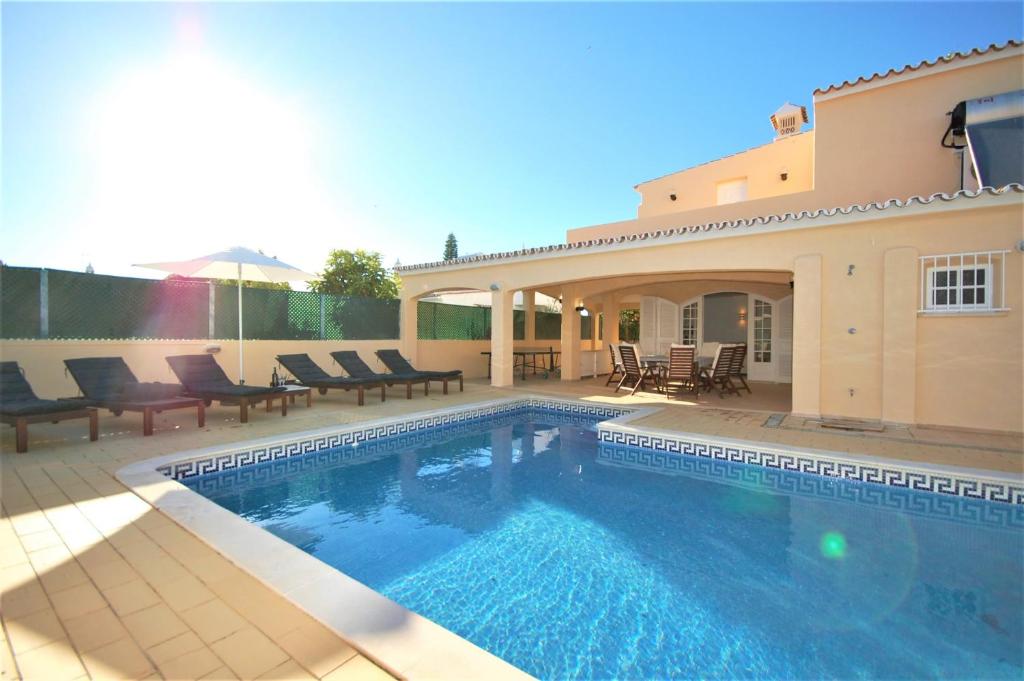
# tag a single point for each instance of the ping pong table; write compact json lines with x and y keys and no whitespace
{"x":531,"y":358}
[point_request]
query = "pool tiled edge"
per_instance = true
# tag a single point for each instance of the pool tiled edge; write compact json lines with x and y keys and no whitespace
{"x":404,"y":643}
{"x":970,"y":483}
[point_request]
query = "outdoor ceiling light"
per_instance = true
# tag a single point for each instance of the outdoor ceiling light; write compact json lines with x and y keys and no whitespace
{"x":495,"y":287}
{"x":583,"y":311}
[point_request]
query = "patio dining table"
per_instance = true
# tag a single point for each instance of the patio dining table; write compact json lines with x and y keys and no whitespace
{"x":662,"y":360}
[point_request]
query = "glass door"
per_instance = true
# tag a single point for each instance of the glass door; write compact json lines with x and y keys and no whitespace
{"x":761,"y":335}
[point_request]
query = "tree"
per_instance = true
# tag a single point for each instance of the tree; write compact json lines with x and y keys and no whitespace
{"x":451,"y":247}
{"x":629,"y":326}
{"x":356,"y":273}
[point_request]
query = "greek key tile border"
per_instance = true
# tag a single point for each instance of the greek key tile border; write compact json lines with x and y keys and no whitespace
{"x":959,"y":509}
{"x":883,"y":472}
{"x":357,"y":439}
{"x":371,"y":439}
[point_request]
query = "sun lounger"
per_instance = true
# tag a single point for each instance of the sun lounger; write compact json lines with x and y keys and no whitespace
{"x":108,"y":382}
{"x":308,"y":373}
{"x":202,"y":377}
{"x":355,"y":367}
{"x":397,"y":364}
{"x":19,"y":407}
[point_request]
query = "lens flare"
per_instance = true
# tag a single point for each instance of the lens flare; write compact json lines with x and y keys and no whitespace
{"x":833,"y":545}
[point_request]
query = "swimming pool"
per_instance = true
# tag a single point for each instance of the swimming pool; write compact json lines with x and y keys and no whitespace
{"x":571,"y":558}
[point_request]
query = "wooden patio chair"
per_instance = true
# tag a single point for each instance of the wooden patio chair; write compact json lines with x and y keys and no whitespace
{"x":616,"y":364}
{"x":716,"y":377}
{"x":682,"y":372}
{"x":634,"y":376}
{"x":736,"y":367}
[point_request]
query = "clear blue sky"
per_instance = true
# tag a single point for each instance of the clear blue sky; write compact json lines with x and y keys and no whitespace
{"x":147,"y":132}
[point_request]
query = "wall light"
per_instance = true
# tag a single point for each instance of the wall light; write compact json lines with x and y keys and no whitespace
{"x":584,"y":312}
{"x":743,"y":317}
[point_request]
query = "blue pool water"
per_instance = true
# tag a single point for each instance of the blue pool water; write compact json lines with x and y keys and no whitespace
{"x":574,"y":560}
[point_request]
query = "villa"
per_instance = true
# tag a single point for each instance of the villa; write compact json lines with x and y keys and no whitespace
{"x":857,"y":512}
{"x":871,"y":267}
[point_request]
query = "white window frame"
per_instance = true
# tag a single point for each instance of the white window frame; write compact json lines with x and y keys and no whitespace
{"x":957,"y":264}
{"x":957,"y":289}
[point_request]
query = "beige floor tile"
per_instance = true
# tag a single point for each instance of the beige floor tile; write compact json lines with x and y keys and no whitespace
{"x":95,"y":629}
{"x":8,"y":670}
{"x":32,"y":631}
{"x":213,"y":568}
{"x":121,"y":659}
{"x":220,"y":674}
{"x":63,"y":576}
{"x":289,"y":671}
{"x":40,"y":540}
{"x":316,"y":648}
{"x":184,"y":593}
{"x":160,"y":570}
{"x":154,"y":625}
{"x":249,"y":653}
{"x":78,"y":600}
{"x":175,"y":647}
{"x":131,"y":597}
{"x":14,"y":576}
{"x":358,"y":668}
{"x":24,"y":599}
{"x":55,"y":661}
{"x":191,"y":665}
{"x":30,"y":522}
{"x":213,"y":620}
{"x":110,"y":574}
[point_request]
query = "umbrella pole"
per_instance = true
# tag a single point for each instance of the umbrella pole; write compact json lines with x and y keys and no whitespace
{"x":241,"y":364}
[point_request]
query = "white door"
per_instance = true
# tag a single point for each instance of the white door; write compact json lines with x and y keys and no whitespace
{"x":784,"y":342}
{"x":648,"y":324}
{"x":762,"y":355}
{"x":689,"y":323}
{"x":668,"y":325}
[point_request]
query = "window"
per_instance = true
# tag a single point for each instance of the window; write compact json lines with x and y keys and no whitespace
{"x":965,"y":282}
{"x":688,"y":324}
{"x":960,"y":288}
{"x":732,"y":191}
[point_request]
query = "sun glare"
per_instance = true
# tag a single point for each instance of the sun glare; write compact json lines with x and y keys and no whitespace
{"x":191,"y":145}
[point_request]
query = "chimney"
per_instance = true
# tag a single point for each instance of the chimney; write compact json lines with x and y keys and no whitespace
{"x":788,"y":120}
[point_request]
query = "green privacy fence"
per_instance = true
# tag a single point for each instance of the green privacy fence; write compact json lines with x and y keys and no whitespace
{"x":56,"y":304}
{"x":42,"y":303}
{"x":441,"y":321}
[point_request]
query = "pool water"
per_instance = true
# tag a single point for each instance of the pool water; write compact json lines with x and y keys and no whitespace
{"x":570,"y":559}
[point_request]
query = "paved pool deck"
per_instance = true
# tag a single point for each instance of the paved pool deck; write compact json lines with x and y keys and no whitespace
{"x":99,"y":584}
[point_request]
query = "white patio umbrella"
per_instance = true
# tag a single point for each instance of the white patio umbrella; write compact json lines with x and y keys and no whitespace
{"x":235,"y":263}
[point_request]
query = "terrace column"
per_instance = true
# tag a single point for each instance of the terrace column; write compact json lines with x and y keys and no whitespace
{"x":807,"y":335}
{"x":407,"y":331}
{"x":502,"y":372}
{"x":530,"y":309}
{"x":899,"y":336}
{"x":570,"y":335}
{"x":611,"y":326}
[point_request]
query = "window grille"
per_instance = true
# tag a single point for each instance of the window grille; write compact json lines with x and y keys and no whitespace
{"x":961,"y":283}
